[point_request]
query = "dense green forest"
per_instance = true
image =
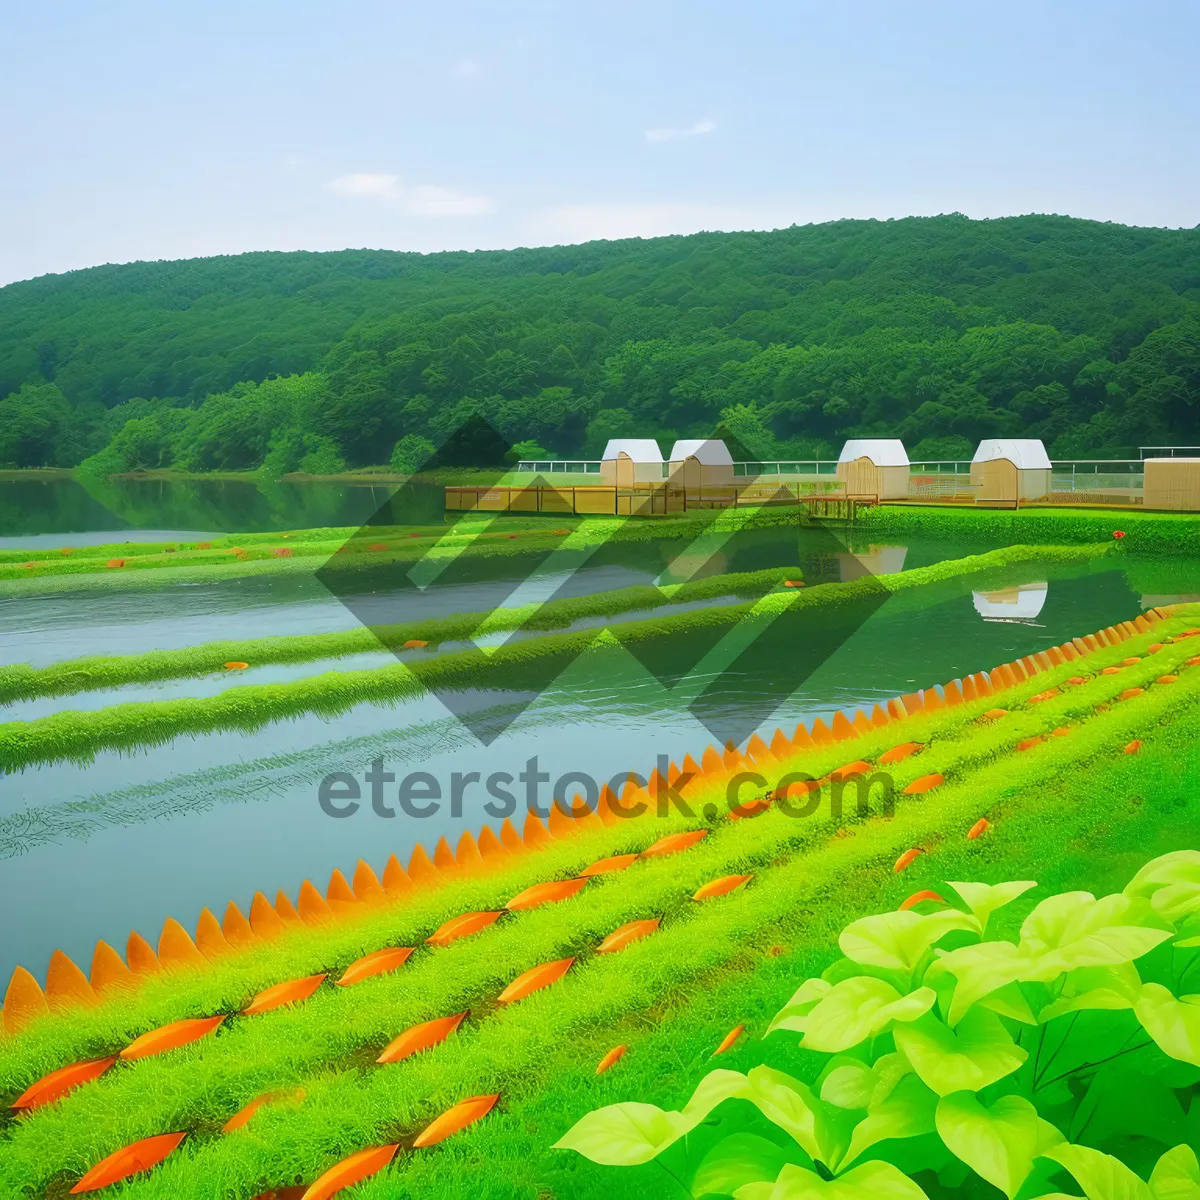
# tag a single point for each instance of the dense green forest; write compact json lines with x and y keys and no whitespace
{"x":939,"y":330}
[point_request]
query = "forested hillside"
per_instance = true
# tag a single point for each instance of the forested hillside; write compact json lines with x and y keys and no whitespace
{"x":939,"y":330}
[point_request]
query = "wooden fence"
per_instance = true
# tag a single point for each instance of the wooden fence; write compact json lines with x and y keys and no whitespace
{"x":651,"y":499}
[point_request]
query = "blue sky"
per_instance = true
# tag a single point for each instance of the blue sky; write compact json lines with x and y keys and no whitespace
{"x":138,"y":129}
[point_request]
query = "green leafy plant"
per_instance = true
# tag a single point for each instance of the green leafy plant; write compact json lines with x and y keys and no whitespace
{"x":941,"y":1060}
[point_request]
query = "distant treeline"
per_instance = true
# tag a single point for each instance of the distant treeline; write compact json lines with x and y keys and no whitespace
{"x":939,"y":330}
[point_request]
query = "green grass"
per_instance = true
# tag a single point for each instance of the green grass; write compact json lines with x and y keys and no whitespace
{"x":21,"y":681}
{"x":504,"y":537}
{"x":78,"y":736}
{"x":1149,"y":532}
{"x":704,"y":970}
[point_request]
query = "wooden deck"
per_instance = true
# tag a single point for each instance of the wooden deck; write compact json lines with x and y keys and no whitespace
{"x":652,"y":499}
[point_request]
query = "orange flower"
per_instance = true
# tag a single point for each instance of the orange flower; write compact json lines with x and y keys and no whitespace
{"x":58,"y":1083}
{"x":632,"y":931}
{"x":611,"y":1059}
{"x":421,"y":1037}
{"x":926,"y":783}
{"x":129,"y":1160}
{"x":465,"y":1113}
{"x":729,"y":1039}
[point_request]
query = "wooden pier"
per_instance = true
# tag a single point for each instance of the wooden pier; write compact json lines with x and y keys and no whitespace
{"x":653,"y":499}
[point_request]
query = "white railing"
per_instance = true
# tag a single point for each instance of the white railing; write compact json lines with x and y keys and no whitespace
{"x":941,"y":466}
{"x":1097,"y":475}
{"x":574,"y":466}
{"x":781,"y":468}
{"x":1169,"y":451}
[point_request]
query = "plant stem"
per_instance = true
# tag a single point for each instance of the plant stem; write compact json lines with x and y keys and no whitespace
{"x":1099,"y":1063}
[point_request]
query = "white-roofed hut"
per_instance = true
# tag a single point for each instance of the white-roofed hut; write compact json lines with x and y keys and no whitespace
{"x":1011,"y":469}
{"x":701,"y":462}
{"x":627,"y":461}
{"x":874,"y":467}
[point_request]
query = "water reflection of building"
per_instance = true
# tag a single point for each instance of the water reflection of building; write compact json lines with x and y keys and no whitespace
{"x":1023,"y":603}
{"x":842,"y":567}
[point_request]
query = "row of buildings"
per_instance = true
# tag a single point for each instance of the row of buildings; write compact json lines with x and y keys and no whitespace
{"x":1002,"y":469}
{"x":867,"y":466}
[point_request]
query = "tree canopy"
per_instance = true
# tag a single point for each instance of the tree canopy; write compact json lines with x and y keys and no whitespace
{"x":939,"y":330}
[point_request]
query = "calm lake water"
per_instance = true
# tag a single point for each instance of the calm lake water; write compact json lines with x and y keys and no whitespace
{"x":128,"y":839}
{"x":35,"y":512}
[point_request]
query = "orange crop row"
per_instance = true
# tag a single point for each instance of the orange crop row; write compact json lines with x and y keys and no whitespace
{"x":67,"y":986}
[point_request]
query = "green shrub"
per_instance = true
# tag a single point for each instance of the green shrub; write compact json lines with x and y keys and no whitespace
{"x":947,"y":1059}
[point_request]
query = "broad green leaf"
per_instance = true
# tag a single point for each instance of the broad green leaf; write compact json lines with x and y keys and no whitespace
{"x":1173,"y":1024}
{"x":852,"y":1083}
{"x":968,"y":1058}
{"x":715,"y":1088}
{"x":906,"y":1111}
{"x":871,"y":1181}
{"x":624,"y":1135}
{"x":1114,"y":987}
{"x":806,"y":998}
{"x":735,"y":1161}
{"x":1176,"y":1176}
{"x":1171,"y":883}
{"x":984,"y":899}
{"x":1075,"y":929}
{"x":997,"y":1143}
{"x":1177,"y":900}
{"x":848,"y":1082}
{"x":821,"y":1130}
{"x":1180,"y":866}
{"x":979,"y":971}
{"x":896,"y":941}
{"x":1009,"y":1001}
{"x":1101,"y":1176}
{"x":857,"y":1009}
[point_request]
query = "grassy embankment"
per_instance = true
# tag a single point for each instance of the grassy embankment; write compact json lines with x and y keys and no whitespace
{"x":1146,"y":532}
{"x":237,"y":556}
{"x":21,"y":681}
{"x":78,"y":736}
{"x":1058,"y":810}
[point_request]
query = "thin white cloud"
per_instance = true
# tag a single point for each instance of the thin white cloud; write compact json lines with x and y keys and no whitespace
{"x":421,"y":200}
{"x":673,"y":134}
{"x":430,"y":201}
{"x":465,"y":68}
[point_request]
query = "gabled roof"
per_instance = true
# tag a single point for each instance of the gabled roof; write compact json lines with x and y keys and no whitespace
{"x":641,"y":450}
{"x":883,"y":452}
{"x":1026,"y":454}
{"x":711,"y":452}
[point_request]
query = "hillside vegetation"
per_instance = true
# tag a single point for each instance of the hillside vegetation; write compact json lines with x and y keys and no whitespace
{"x":940,"y":330}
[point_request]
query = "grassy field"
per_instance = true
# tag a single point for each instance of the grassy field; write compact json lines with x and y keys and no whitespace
{"x":1068,"y":810}
{"x":77,"y":736}
{"x":1153,"y":532}
{"x":129,"y":566}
